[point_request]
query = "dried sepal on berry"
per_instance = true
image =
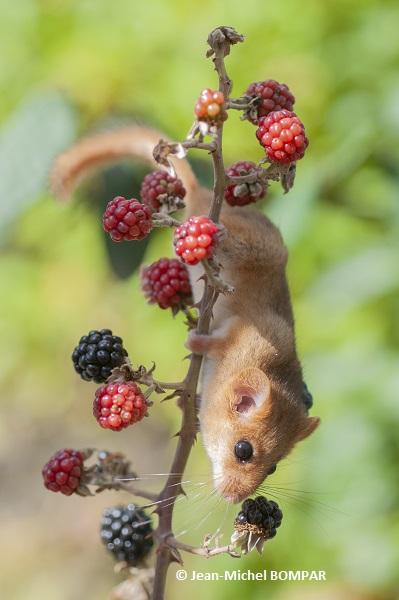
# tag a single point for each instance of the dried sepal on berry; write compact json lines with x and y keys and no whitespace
{"x":161,"y":191}
{"x":109,"y":471}
{"x":246,"y":538}
{"x":268,"y":96}
{"x":240,"y":194}
{"x":127,"y":219}
{"x":288,"y":178}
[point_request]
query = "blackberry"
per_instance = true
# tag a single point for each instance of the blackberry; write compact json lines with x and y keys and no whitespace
{"x":195,"y":239}
{"x":159,"y":188}
{"x":272,"y":96}
{"x":126,"y":531}
{"x":237,"y":194}
{"x":282,"y":134}
{"x":209,"y":106}
{"x":265,"y":515}
{"x":166,"y":283}
{"x":97,"y":354}
{"x":63,"y":472}
{"x":127,"y":219}
{"x":118,"y":405}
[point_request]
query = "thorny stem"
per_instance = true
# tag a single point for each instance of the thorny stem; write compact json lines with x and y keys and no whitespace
{"x":136,"y":491}
{"x":219,"y":40}
{"x":202,"y":550}
{"x":200,"y":145}
{"x":239,"y":104}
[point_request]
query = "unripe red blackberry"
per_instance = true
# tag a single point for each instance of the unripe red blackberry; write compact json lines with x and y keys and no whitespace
{"x":97,"y":354}
{"x":240,"y":194}
{"x":160,"y":188}
{"x":63,"y":471}
{"x":127,"y":220}
{"x":283,"y":137}
{"x":126,"y":532}
{"x":273,"y":96}
{"x":118,"y":405}
{"x":209,"y":106}
{"x":195,"y":239}
{"x":166,"y":283}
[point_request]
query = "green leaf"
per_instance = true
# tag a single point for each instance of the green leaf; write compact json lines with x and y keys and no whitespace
{"x":351,"y":283}
{"x":29,"y":141}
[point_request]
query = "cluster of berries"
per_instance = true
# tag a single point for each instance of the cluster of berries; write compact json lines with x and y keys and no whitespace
{"x":100,"y":356}
{"x":129,"y":219}
{"x":280,"y":132}
{"x":126,"y":531}
{"x":116,"y":404}
{"x":283,"y":137}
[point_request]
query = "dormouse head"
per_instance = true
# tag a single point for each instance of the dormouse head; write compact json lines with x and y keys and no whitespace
{"x":254,"y":423}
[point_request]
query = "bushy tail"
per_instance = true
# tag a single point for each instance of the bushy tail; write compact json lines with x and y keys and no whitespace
{"x":96,"y":151}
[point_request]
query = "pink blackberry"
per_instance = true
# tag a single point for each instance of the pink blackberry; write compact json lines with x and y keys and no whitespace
{"x":273,"y":96}
{"x":240,"y":194}
{"x":166,"y":283}
{"x":127,"y":220}
{"x":118,"y":405}
{"x":283,"y":137}
{"x":195,"y":239}
{"x":63,"y":471}
{"x":209,"y":106}
{"x":159,"y":188}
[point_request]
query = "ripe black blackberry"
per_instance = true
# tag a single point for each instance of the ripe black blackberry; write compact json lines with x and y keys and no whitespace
{"x":262,"y":513}
{"x":126,"y":531}
{"x":97,"y":354}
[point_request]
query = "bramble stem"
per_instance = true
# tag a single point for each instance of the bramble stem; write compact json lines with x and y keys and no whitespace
{"x":194,"y":143}
{"x":202,"y":550}
{"x":219,"y":40}
{"x":137,"y":491}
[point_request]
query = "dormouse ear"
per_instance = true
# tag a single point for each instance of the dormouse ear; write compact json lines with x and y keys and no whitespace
{"x":307,"y":427}
{"x":251,"y":392}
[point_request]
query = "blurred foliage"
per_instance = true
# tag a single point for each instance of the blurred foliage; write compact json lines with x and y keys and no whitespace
{"x":67,"y":65}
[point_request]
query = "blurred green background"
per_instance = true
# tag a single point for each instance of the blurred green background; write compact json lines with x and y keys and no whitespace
{"x":68,"y":67}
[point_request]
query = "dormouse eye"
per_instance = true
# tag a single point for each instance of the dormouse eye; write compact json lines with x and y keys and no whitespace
{"x":272,"y":470}
{"x":243,"y":450}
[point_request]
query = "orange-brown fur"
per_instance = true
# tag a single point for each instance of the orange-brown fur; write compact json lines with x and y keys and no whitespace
{"x":250,"y":352}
